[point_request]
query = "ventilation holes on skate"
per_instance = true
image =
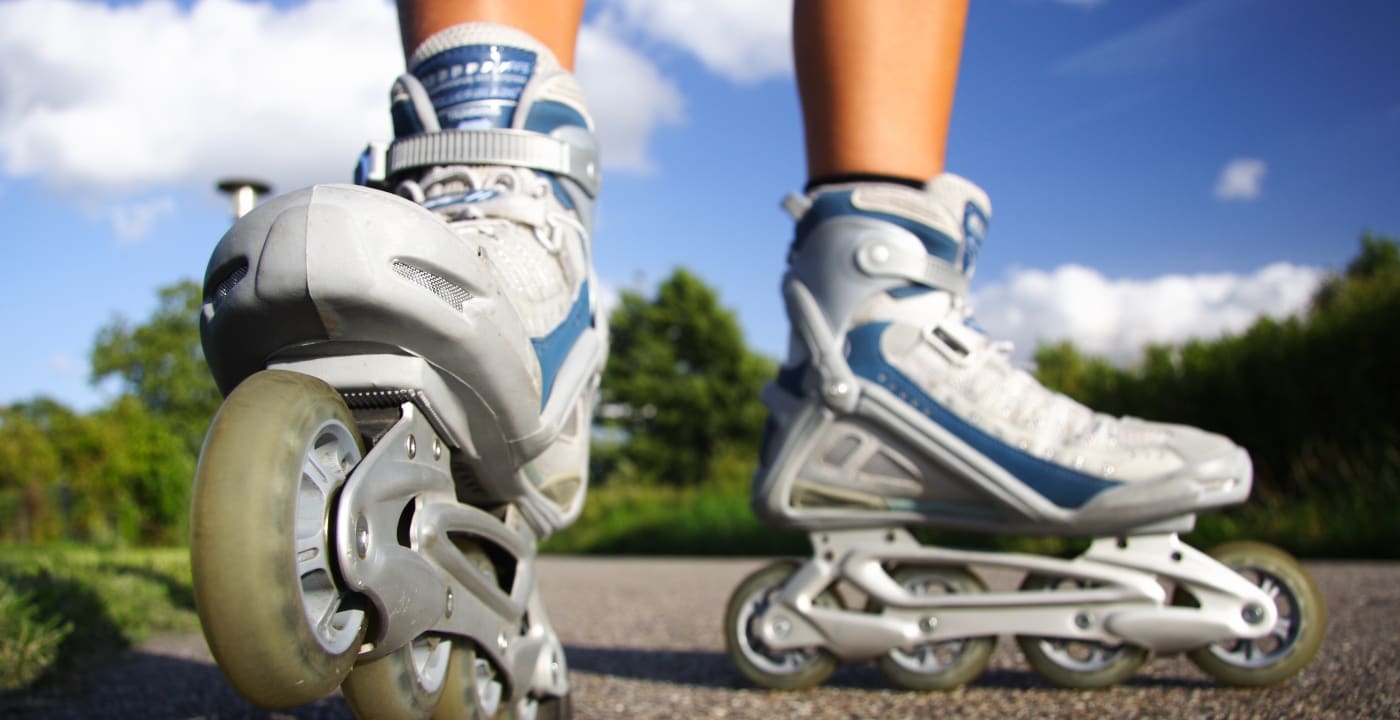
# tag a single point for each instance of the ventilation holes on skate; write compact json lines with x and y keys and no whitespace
{"x":446,"y":290}
{"x":224,"y":287}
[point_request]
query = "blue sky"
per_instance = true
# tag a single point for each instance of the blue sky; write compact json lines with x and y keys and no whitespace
{"x":1157,"y":170}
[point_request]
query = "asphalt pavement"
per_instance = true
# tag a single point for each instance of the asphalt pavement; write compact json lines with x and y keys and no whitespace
{"x":644,"y":641}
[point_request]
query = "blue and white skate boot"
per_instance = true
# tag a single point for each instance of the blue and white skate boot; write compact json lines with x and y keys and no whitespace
{"x":410,"y":370}
{"x":469,"y":294}
{"x":492,"y":136}
{"x":895,"y":408}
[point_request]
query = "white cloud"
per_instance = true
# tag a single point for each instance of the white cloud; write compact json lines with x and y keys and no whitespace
{"x":742,"y":40}
{"x":628,"y":96}
{"x":1241,"y":179}
{"x":114,"y":102}
{"x":132,"y":222}
{"x":62,"y":363}
{"x":1169,"y":38}
{"x":119,"y":100}
{"x":1117,"y":318}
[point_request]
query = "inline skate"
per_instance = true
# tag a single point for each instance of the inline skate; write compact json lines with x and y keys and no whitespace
{"x":895,"y":411}
{"x":409,"y":366}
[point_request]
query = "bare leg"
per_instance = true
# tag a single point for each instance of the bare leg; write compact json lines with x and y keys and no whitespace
{"x":877,"y":80}
{"x":553,"y":22}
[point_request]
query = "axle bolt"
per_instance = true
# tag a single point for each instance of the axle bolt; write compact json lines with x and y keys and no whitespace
{"x":1253,"y":614}
{"x":361,"y":536}
{"x":1083,"y":621}
{"x":448,"y":614}
{"x":782,"y":628}
{"x":412,"y":447}
{"x":928,"y":624}
{"x":437,"y":449}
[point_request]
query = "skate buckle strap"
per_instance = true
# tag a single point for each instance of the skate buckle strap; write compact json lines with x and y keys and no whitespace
{"x":516,"y":148}
{"x":881,"y":258}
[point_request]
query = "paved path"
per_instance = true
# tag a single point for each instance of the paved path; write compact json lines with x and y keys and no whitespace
{"x":643,"y":639}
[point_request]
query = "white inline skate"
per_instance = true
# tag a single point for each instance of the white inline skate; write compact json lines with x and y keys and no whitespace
{"x":895,"y":411}
{"x":410,"y":370}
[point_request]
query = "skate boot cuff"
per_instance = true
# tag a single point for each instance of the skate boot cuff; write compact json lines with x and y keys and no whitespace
{"x":483,"y":94}
{"x":948,"y":217}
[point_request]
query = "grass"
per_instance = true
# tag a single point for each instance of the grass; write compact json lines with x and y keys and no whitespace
{"x":622,"y":519}
{"x":63,"y":608}
{"x":1353,"y":519}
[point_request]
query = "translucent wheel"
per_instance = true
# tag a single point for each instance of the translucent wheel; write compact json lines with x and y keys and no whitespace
{"x":278,"y":621}
{"x":404,"y":685}
{"x":554,"y":708}
{"x":1073,"y":663}
{"x":1302,"y":620}
{"x":938,"y":665}
{"x":473,"y":689}
{"x":777,"y":669}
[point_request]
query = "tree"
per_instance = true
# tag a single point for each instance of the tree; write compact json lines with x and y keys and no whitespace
{"x":685,"y":381}
{"x":161,"y":362}
{"x":28,"y":464}
{"x":1378,"y":262}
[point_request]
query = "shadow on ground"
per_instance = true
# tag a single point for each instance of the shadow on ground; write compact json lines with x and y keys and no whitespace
{"x":714,"y":669}
{"x":141,"y":686}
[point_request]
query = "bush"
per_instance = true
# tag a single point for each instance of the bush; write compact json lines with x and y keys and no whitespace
{"x":28,"y":643}
{"x":63,"y":608}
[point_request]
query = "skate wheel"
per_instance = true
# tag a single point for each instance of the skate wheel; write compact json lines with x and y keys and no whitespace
{"x":780,"y":670}
{"x":1302,"y":619}
{"x":473,"y":688}
{"x":1079,"y":664}
{"x":406,"y":684}
{"x":279,"y":623}
{"x":938,"y":665}
{"x":473,"y":691}
{"x":555,"y":708}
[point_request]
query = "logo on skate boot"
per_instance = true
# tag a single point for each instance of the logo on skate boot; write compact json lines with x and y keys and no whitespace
{"x":476,"y":86}
{"x":974,"y":231}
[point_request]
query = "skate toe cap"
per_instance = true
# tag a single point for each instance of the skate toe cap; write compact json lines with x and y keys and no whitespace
{"x":1213,"y":462}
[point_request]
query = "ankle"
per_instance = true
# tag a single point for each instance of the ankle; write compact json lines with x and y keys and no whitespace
{"x":818,"y":184}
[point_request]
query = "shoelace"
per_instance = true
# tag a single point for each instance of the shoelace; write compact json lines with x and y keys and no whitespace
{"x":467,"y":195}
{"x":1018,"y":397}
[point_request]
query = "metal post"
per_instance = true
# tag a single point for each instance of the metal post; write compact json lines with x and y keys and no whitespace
{"x":244,"y":192}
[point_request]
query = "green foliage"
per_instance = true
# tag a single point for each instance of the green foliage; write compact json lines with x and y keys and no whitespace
{"x":121,"y":474}
{"x":687,"y":382}
{"x":28,"y":643}
{"x":710,"y":518}
{"x":161,"y":362}
{"x":65,"y":608}
{"x":29,"y":462}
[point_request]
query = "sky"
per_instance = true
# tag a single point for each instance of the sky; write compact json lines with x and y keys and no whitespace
{"x":1158,"y":170}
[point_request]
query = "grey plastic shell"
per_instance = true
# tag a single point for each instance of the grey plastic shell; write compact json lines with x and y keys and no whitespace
{"x":308,"y":281}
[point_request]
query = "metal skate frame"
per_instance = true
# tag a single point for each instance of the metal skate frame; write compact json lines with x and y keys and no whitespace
{"x":396,"y":530}
{"x":1121,"y":599}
